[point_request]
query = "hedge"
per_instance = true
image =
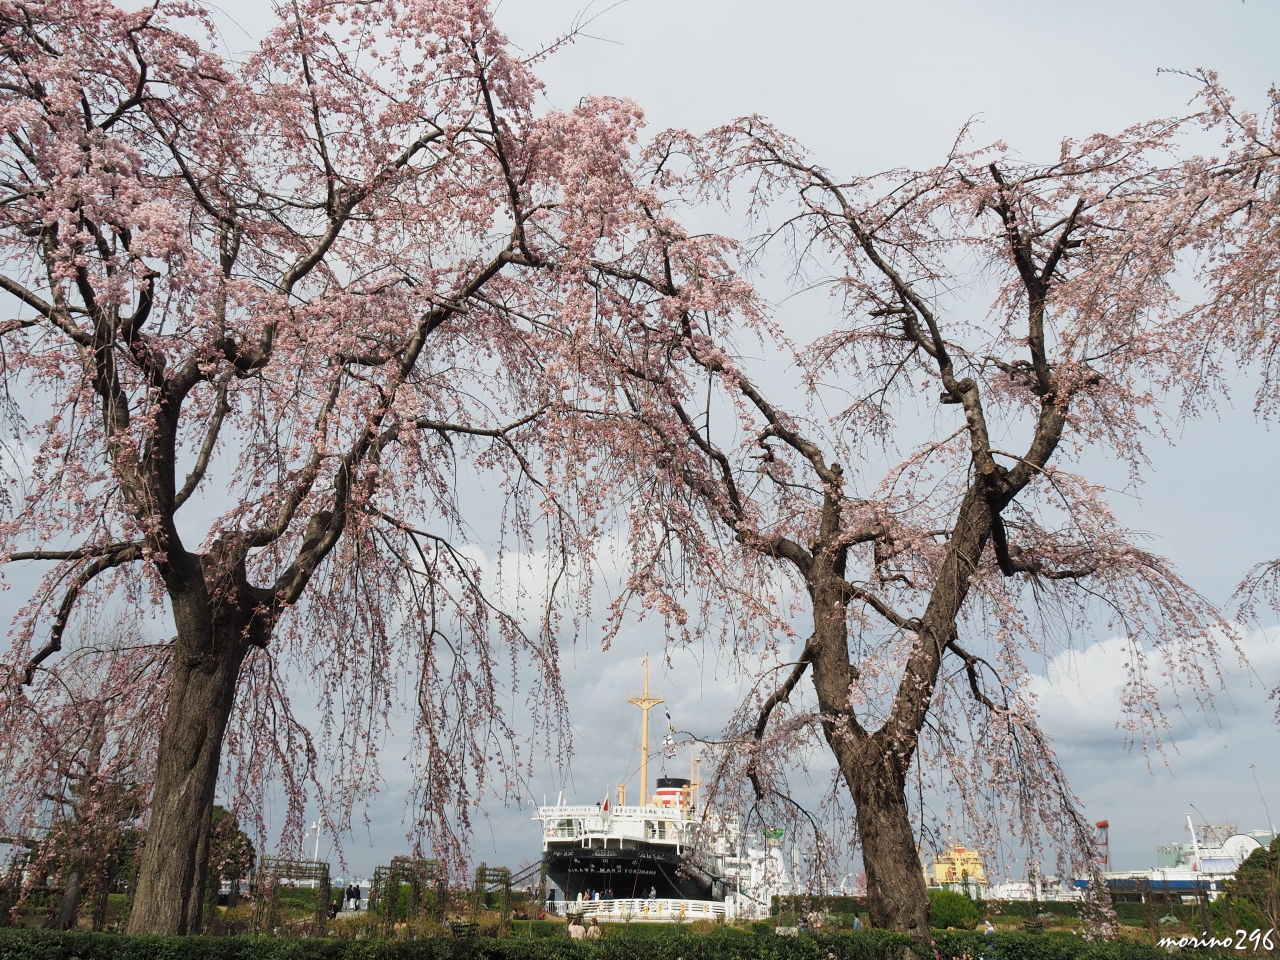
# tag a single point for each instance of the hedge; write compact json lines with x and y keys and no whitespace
{"x":1133,"y":912}
{"x":849,"y":905}
{"x":652,"y":941}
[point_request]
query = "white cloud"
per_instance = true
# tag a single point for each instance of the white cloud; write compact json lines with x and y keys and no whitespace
{"x":1206,"y":759}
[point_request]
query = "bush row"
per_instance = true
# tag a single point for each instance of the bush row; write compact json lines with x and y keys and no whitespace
{"x":849,"y":905}
{"x":720,"y":944}
{"x":1134,"y":912}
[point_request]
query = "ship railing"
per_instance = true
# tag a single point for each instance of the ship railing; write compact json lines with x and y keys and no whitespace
{"x":642,"y":910}
{"x":591,"y":811}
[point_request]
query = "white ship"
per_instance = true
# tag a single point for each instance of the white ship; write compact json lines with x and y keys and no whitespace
{"x":665,"y":859}
{"x":1189,"y":870}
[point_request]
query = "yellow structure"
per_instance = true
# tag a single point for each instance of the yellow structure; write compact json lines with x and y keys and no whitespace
{"x":645,"y":701}
{"x":959,"y":866}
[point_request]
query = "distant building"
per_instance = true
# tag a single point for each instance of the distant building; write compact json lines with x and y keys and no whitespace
{"x":959,"y":869}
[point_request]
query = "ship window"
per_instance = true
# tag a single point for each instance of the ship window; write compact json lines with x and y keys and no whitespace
{"x":657,"y":830}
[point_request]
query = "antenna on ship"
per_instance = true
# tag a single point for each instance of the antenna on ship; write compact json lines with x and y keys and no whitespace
{"x":645,"y":701}
{"x":1253,"y":767}
{"x":695,"y":778}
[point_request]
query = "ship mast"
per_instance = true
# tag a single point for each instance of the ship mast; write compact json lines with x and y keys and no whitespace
{"x":645,"y":701}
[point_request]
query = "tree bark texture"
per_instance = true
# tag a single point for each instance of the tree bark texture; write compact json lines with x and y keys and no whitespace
{"x":896,"y":894}
{"x":209,"y":650}
{"x":874,"y":764}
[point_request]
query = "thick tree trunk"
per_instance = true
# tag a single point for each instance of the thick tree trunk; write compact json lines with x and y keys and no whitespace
{"x":873,"y":767}
{"x":896,"y":894}
{"x":171,"y":883}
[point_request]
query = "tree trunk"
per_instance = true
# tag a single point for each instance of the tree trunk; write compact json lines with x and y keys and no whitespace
{"x":208,"y":653}
{"x":873,"y":767}
{"x":896,"y":894}
{"x":71,"y":897}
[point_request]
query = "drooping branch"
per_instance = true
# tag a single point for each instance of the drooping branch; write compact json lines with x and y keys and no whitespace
{"x":290,"y":584}
{"x":783,"y":693}
{"x":1012,"y":561}
{"x":443,"y":427}
{"x":971,"y":664}
{"x":125,"y":553}
{"x":778,"y":696}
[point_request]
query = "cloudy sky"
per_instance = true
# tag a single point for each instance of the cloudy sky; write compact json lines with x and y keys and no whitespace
{"x":870,"y":85}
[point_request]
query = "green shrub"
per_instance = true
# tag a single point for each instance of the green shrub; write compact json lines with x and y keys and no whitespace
{"x":956,"y":945}
{"x":950,"y":909}
{"x":639,"y":942}
{"x":825,"y":904}
{"x":1030,"y":908}
{"x":538,"y":928}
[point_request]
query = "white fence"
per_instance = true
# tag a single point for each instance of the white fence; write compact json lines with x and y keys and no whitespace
{"x":643,"y":910}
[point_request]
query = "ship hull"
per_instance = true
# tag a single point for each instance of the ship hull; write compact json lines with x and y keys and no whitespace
{"x":627,"y":874}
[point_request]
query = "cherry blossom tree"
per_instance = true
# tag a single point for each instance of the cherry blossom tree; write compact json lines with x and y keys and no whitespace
{"x":77,"y":779}
{"x":997,"y":320}
{"x":265,"y":318}
{"x":1236,"y":232}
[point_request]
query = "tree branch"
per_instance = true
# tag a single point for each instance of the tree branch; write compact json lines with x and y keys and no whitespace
{"x":128,"y":552}
{"x":220,"y":410}
{"x":971,"y":663}
{"x":781,"y":695}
